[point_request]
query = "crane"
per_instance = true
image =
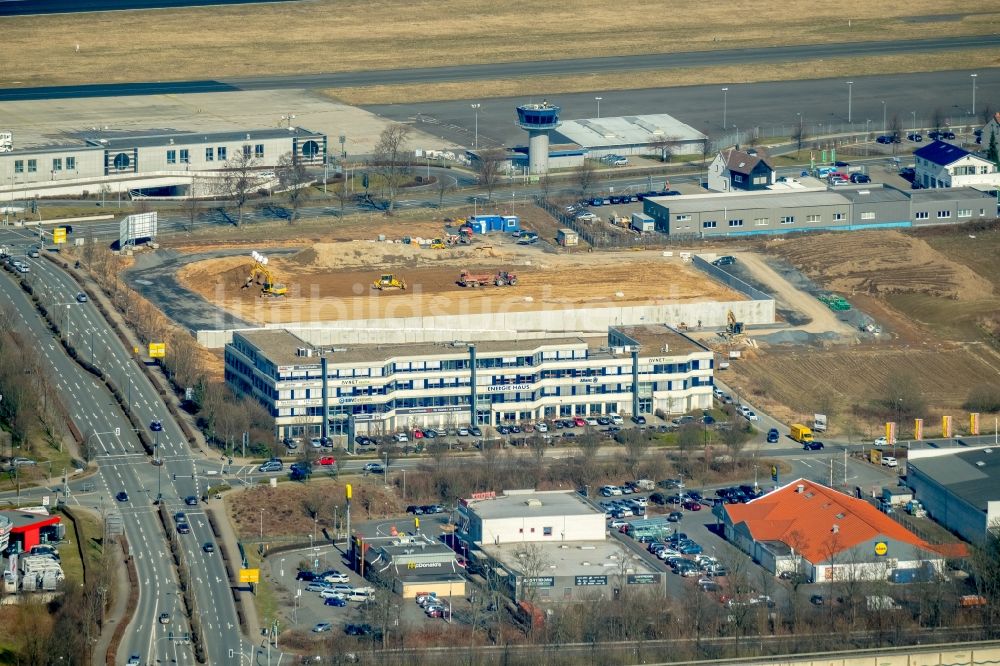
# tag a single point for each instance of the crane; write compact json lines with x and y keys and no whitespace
{"x":259,"y":274}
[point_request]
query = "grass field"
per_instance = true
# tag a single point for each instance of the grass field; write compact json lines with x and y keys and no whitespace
{"x":323,"y":35}
{"x":542,"y":85}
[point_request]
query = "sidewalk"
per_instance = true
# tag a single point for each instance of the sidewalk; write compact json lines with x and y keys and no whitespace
{"x":114,"y":615}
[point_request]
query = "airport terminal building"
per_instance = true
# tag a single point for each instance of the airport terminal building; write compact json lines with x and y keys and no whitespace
{"x":380,"y":389}
{"x":122,"y":162}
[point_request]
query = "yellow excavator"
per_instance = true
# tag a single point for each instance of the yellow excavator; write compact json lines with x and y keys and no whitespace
{"x":259,"y":274}
{"x":389,"y":281}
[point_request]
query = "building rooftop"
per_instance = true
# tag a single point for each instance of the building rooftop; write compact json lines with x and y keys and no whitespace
{"x":948,"y":194}
{"x":101,"y":140}
{"x":972,"y":474}
{"x":577,"y":558}
{"x":657,"y":340}
{"x":706,"y":203}
{"x":518,"y":503}
{"x":740,"y":161}
{"x":626,"y":130}
{"x":804,"y":515}
{"x":280,"y":345}
{"x":872,"y":193}
{"x":28,"y":517}
{"x":940,"y":152}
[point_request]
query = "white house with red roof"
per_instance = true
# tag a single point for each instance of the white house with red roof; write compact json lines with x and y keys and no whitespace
{"x":827,"y":536}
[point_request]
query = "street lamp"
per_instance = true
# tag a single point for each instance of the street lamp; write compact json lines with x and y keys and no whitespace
{"x":475,"y":107}
{"x":973,"y":112}
{"x":850,"y":95}
{"x":914,"y":114}
{"x":737,"y":135}
{"x":600,"y":98}
{"x":884,"y":126}
{"x":288,"y":118}
{"x":725,"y":92}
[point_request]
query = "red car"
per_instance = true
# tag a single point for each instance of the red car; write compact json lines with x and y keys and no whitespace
{"x":418,"y":434}
{"x":327,"y":460}
{"x":691,"y":505}
{"x":579,"y":422}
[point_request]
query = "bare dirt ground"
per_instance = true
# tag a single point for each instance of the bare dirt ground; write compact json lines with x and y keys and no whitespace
{"x":879,"y":263}
{"x":933,"y":292}
{"x":333,"y":281}
{"x":822,"y":318}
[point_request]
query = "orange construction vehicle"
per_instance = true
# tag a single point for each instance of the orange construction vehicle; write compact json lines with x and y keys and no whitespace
{"x":501,"y":279}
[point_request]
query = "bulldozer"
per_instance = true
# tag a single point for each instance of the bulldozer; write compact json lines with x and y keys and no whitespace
{"x":259,"y":274}
{"x":388,"y":281}
{"x":437,"y":244}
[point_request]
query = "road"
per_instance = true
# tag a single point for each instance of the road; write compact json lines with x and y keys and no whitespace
{"x":33,"y":7}
{"x":511,"y":70}
{"x":124,"y":466}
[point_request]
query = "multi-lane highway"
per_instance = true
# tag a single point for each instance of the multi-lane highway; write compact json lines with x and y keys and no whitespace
{"x":124,"y":466}
{"x":512,"y":70}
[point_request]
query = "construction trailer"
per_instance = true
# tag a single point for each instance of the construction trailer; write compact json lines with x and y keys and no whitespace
{"x":642,"y":223}
{"x":499,"y":279}
{"x":484,"y":224}
{"x":567,"y":237}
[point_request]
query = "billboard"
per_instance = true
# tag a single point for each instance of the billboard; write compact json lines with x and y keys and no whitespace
{"x":6,"y":141}
{"x":157,"y":349}
{"x":59,"y":235}
{"x":946,"y":426}
{"x":249,"y":575}
{"x":141,"y":226}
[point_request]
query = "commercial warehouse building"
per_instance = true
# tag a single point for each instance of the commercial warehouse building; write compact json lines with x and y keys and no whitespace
{"x":959,"y":487}
{"x":844,"y":208}
{"x":827,"y":536}
{"x":122,"y":162}
{"x":549,"y":546}
{"x":379,"y":389}
{"x":631,"y":135}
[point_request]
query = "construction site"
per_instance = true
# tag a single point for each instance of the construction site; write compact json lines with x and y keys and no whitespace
{"x":388,"y":289}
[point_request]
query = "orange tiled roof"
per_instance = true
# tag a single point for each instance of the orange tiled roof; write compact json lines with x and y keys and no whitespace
{"x":805,"y":521}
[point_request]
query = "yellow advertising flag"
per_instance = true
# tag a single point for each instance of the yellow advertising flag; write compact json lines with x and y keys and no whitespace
{"x":59,"y":235}
{"x":347,"y":491}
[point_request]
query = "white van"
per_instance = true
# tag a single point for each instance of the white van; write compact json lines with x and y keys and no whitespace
{"x":361,"y":594}
{"x":616,"y":419}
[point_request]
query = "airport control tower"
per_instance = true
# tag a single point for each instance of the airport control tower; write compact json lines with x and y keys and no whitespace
{"x":538,"y":120}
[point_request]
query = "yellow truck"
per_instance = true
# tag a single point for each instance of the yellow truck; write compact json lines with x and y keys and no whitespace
{"x":801,"y":433}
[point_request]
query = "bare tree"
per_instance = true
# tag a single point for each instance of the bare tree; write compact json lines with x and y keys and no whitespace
{"x":799,"y":135}
{"x":239,"y":180}
{"x":293,"y":177}
{"x":489,"y":166}
{"x":392,"y":160}
{"x":706,"y":150}
{"x":342,"y":195}
{"x":586,"y":177}
{"x":545,"y":186}
{"x":533,"y":564}
{"x":937,"y":118}
{"x":895,"y":130}
{"x":636,"y":444}
{"x":665,"y":147}
{"x":443,"y":186}
{"x":191,"y":210}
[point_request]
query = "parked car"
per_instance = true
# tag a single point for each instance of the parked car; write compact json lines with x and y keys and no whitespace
{"x":336,"y":600}
{"x":639,"y":419}
{"x":271,"y":466}
{"x":335,"y":577}
{"x":884,"y":138}
{"x":475,"y":431}
{"x":691,"y":505}
{"x":316,"y":586}
{"x":915,"y":137}
{"x":860,"y":178}
{"x":675,"y":516}
{"x":889,"y":461}
{"x":658,"y":498}
{"x":724,"y":260}
{"x":307,"y":576}
{"x":321,"y":627}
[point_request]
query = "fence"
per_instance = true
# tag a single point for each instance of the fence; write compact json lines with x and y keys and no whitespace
{"x":599,"y":237}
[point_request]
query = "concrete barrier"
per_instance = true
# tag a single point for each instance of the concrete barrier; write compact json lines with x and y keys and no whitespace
{"x":508,"y":325}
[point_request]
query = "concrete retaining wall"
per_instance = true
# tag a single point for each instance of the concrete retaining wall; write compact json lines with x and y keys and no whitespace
{"x":505,"y":326}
